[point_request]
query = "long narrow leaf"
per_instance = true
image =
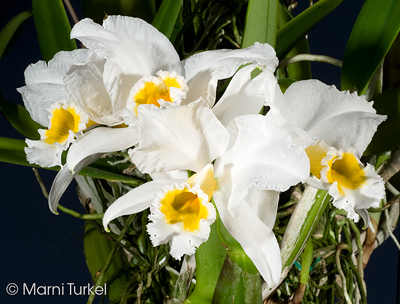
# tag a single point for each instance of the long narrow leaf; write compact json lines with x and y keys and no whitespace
{"x":52,"y":27}
{"x":12,"y":151}
{"x":97,"y":249}
{"x":375,"y":30}
{"x":296,"y":29}
{"x":391,"y":68}
{"x":11,"y":29}
{"x":261,"y":22}
{"x":388,"y":134}
{"x":20,"y":119}
{"x":299,"y":70}
{"x":302,"y":223}
{"x":166,"y":16}
{"x":12,"y":144}
{"x":210,"y":257}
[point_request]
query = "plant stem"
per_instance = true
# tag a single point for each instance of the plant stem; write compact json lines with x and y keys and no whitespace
{"x":94,"y":216}
{"x":340,"y":271}
{"x":310,"y":57}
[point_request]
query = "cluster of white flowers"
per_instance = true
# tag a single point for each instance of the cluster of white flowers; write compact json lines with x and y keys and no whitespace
{"x":167,"y":115}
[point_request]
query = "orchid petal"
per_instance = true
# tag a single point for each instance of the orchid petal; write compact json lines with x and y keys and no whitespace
{"x":171,"y":220}
{"x":100,"y":140}
{"x":181,"y":138}
{"x":244,"y":95}
{"x":365,"y":216}
{"x":136,"y":200}
{"x":261,"y":201}
{"x":136,"y":46}
{"x":43,"y":154}
{"x":368,"y":195}
{"x":261,"y":154}
{"x":315,"y":183}
{"x":62,"y":180}
{"x":299,"y":136}
{"x":44,"y":83}
{"x":85,"y":85}
{"x":203,"y":70}
{"x":256,"y":238}
{"x":176,"y":174}
{"x":87,"y":189}
{"x":338,"y":118}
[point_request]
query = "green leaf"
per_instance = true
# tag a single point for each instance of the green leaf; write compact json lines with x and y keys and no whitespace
{"x":99,"y":9}
{"x":12,"y":144}
{"x":166,"y":16}
{"x":299,"y":70}
{"x":210,"y":257}
{"x":388,"y":134}
{"x":52,"y":27}
{"x":284,"y":83}
{"x":11,"y":29}
{"x":236,"y":286}
{"x":12,"y":151}
{"x":391,"y":68}
{"x":375,"y":30}
{"x":302,"y":224}
{"x":234,"y":250}
{"x":261,"y":22}
{"x":290,"y":34}
{"x":20,"y":119}
{"x":97,"y":249}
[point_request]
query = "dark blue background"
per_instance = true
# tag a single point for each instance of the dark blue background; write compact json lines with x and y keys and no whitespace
{"x":39,"y":247}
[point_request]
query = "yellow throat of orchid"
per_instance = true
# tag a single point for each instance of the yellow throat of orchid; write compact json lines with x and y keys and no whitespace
{"x":151,"y":89}
{"x":345,"y":169}
{"x":151,"y":93}
{"x":186,"y":205}
{"x":62,"y":122}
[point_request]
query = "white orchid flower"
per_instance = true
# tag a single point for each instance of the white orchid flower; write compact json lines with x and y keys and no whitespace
{"x":141,"y":66}
{"x":47,"y":99}
{"x":66,"y":123}
{"x":335,"y":128}
{"x":254,"y":160}
{"x":181,"y":212}
{"x":48,"y":104}
{"x":131,"y":63}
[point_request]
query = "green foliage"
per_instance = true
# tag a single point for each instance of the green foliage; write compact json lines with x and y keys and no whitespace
{"x":166,"y":16}
{"x":299,"y":70}
{"x":20,"y":119}
{"x":261,"y":22}
{"x":11,"y":30}
{"x":290,"y":34}
{"x":387,"y":136}
{"x":210,"y":258}
{"x":209,"y":25}
{"x":309,"y":213}
{"x":236,"y":286}
{"x":97,"y":249}
{"x":375,"y":30}
{"x":52,"y":27}
{"x":284,"y":83}
{"x":12,"y":151}
{"x":137,"y":268}
{"x":99,"y":9}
